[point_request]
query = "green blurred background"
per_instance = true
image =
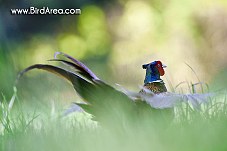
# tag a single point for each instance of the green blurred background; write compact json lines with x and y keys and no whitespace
{"x":114,"y":38}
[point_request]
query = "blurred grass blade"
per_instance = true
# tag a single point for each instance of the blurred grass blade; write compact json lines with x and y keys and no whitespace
{"x":12,"y":100}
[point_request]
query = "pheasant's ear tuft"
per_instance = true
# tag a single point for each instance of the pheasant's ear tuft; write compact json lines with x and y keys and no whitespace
{"x":145,"y":66}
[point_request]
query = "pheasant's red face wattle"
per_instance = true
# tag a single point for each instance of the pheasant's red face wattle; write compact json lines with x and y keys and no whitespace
{"x":159,"y":66}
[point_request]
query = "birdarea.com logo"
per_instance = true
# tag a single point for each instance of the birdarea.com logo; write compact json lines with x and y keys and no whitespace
{"x":45,"y":11}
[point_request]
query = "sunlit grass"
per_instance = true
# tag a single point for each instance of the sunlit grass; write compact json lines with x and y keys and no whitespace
{"x":23,"y":129}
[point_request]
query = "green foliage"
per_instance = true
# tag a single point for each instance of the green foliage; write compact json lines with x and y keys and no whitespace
{"x":190,"y":130}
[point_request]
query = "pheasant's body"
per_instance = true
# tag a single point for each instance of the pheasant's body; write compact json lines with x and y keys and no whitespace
{"x":155,"y":87}
{"x":155,"y":84}
{"x":109,"y":105}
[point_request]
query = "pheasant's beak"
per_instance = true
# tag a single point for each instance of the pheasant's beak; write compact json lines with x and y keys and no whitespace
{"x":164,"y":66}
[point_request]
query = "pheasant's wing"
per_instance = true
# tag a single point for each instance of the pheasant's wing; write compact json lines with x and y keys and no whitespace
{"x":157,"y":101}
{"x":133,"y":95}
{"x":169,"y":100}
{"x":197,"y":99}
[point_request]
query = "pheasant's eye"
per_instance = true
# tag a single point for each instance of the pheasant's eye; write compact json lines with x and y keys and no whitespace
{"x":158,"y":65}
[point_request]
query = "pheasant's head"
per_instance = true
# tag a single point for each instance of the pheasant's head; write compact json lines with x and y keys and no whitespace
{"x":153,"y":71}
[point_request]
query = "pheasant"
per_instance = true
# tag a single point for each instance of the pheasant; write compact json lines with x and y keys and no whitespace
{"x":110,"y":105}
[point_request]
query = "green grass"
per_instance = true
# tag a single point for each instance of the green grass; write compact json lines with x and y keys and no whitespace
{"x":23,"y":129}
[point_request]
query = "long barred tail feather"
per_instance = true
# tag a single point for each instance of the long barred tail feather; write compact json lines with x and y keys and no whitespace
{"x":80,"y":65}
{"x":78,"y":69}
{"x":80,"y":84}
{"x":99,"y":97}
